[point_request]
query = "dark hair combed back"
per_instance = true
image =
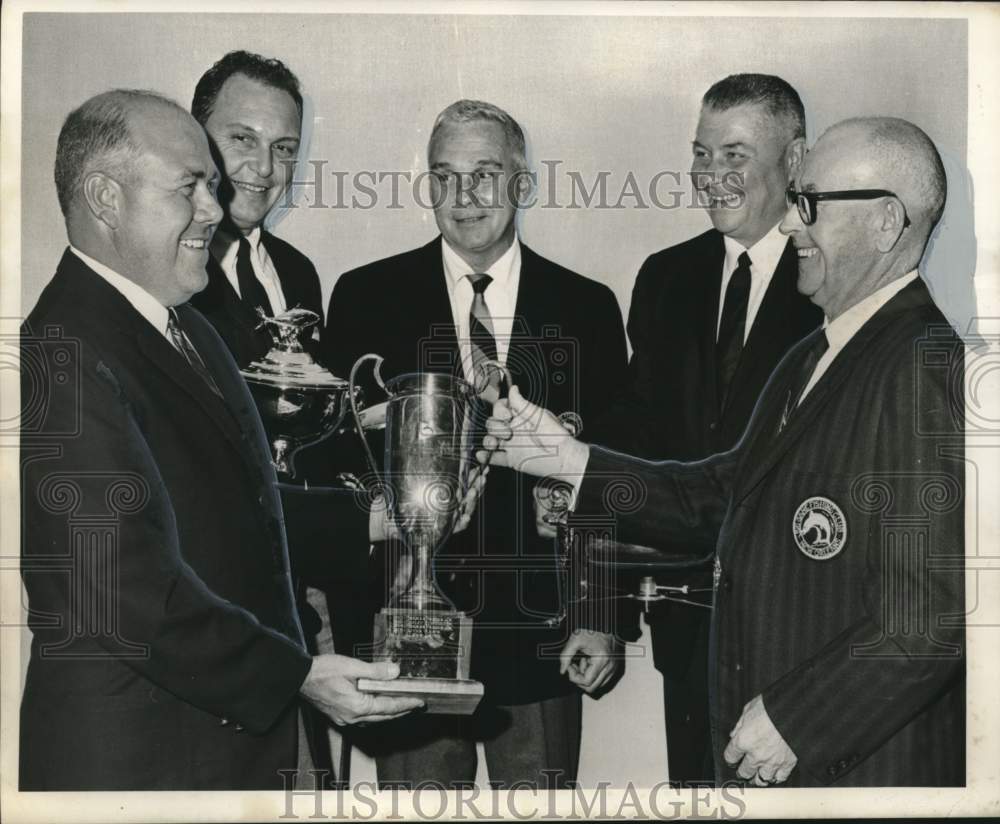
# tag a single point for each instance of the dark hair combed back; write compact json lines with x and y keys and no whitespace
{"x":95,"y":133}
{"x":779,"y":98}
{"x":267,"y":70}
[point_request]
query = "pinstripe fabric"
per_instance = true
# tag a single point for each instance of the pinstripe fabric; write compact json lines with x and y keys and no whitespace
{"x":859,"y":656}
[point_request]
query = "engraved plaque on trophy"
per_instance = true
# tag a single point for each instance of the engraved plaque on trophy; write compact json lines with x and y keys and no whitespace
{"x":428,"y":457}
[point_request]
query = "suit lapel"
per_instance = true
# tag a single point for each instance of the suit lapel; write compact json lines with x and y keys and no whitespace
{"x":531,"y":310}
{"x":239,"y":404}
{"x":288,"y":275}
{"x":96,"y":298}
{"x":768,"y":447}
{"x":711,"y":285}
{"x":428,"y":308}
{"x":172,"y":364}
{"x":229,"y":301}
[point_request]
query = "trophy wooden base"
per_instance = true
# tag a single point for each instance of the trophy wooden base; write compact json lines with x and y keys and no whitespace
{"x":443,"y":696}
{"x":432,"y":648}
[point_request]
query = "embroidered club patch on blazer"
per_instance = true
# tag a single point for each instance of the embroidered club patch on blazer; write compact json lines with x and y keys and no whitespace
{"x":819,"y":528}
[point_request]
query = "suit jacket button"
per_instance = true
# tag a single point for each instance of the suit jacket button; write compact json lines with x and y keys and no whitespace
{"x":223,"y":722}
{"x":842,"y":764}
{"x":239,"y":728}
{"x":713,"y":425}
{"x":831,"y":770}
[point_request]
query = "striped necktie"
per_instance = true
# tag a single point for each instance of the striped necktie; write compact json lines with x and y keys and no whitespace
{"x":182,"y":343}
{"x":481,"y":336}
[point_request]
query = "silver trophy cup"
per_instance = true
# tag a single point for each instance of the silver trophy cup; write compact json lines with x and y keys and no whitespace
{"x":299,"y":401}
{"x":428,"y":457}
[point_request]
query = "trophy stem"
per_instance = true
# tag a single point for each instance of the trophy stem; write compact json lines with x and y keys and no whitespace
{"x":422,"y":593}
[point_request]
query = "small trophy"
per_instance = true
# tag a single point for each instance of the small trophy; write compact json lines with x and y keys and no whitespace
{"x":428,"y":455}
{"x":299,"y":401}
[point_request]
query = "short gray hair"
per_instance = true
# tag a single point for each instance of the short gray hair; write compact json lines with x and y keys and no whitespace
{"x":466,"y":111}
{"x":97,"y":134}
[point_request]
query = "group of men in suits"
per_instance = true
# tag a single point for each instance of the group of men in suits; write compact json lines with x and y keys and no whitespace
{"x":167,"y":652}
{"x":250,"y":108}
{"x":837,"y":644}
{"x":710,"y":321}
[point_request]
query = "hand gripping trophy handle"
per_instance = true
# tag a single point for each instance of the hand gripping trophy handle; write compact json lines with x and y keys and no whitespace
{"x":376,"y":484}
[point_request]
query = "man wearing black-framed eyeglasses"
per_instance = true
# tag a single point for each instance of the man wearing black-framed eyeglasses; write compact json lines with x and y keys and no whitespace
{"x":862,"y":240}
{"x":806,"y":202}
{"x":838,"y":519}
{"x":710,"y":319}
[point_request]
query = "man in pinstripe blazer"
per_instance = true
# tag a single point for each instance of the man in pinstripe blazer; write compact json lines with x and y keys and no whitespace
{"x":838,"y":647}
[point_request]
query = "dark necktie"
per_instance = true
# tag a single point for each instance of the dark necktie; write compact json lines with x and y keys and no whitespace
{"x":806,"y":368}
{"x":733,"y":325}
{"x":251,"y":290}
{"x":183,"y":345}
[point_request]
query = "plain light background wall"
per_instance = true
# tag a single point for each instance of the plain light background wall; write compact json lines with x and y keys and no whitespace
{"x":596,"y":94}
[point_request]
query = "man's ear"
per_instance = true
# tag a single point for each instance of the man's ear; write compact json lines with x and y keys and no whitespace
{"x":891,"y":226}
{"x":795,"y":153}
{"x":104,"y":197}
{"x":520,"y":187}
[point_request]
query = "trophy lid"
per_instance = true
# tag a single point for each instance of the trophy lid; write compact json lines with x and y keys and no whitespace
{"x":287,"y":363}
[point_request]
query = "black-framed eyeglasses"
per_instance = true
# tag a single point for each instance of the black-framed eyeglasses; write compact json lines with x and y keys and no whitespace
{"x":806,"y":201}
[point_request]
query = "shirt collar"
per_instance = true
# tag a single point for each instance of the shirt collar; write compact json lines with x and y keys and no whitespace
{"x":225,"y":242}
{"x":143,"y":302}
{"x":764,"y":254}
{"x":840,"y":330}
{"x":501,"y":271}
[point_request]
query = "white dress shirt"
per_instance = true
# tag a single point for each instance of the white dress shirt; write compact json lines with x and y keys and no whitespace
{"x":143,"y":302}
{"x":500,"y":296}
{"x":225,"y":248}
{"x":764,"y":257}
{"x":840,"y":331}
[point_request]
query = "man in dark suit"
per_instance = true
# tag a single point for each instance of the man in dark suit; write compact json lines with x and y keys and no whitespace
{"x":837,"y":646}
{"x":251,"y":108}
{"x":477,"y":292}
{"x":166,"y":650}
{"x":711,"y":317}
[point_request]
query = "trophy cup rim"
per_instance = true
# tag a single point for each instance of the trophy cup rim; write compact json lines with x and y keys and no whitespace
{"x":411,"y":383}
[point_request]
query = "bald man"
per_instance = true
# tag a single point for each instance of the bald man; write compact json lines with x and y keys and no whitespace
{"x":166,"y":653}
{"x":837,"y":646}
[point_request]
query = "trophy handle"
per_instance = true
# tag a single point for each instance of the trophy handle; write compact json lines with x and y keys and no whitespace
{"x":352,"y":397}
{"x":484,"y":367}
